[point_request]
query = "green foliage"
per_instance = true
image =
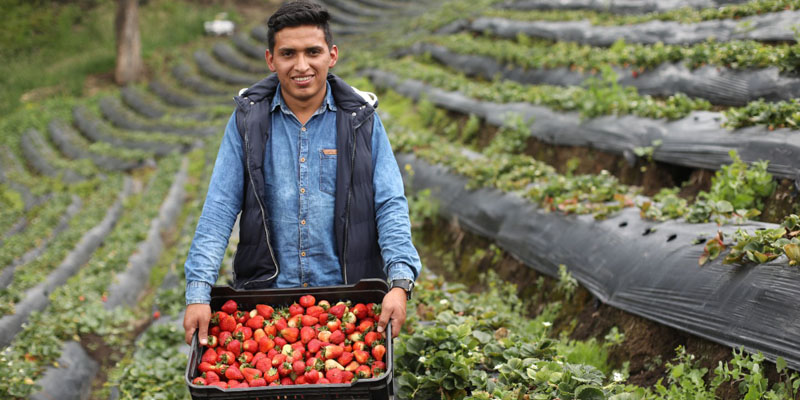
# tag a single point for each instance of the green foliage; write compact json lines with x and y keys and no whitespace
{"x":735,"y":188}
{"x":567,"y":284}
{"x":511,"y":138}
{"x":767,"y":244}
{"x":781,"y":114}
{"x":746,"y":371}
{"x":685,"y":379}
{"x":665,"y":205}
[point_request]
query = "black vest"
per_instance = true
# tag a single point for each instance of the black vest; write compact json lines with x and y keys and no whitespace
{"x":255,"y":264}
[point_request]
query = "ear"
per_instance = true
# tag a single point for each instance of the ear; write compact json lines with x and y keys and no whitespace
{"x":334,"y":56}
{"x":270,"y":62}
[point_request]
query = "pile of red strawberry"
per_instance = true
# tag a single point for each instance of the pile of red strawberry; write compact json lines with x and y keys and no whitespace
{"x":308,"y":343}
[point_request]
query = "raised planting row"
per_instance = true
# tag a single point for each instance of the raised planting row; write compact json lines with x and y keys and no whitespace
{"x":771,"y":27}
{"x":652,"y":70}
{"x":669,"y":10}
{"x":646,"y":268}
{"x":617,"y":7}
{"x":696,"y":140}
{"x":76,"y":307}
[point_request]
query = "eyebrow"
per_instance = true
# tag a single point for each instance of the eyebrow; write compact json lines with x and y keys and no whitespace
{"x":293,"y":49}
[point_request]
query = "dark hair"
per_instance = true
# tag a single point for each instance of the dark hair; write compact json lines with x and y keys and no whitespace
{"x":298,"y":13}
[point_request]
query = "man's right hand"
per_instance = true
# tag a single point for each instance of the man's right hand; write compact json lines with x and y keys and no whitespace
{"x":197,"y":316}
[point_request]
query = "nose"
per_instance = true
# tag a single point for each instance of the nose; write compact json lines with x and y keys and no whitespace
{"x":302,"y":63}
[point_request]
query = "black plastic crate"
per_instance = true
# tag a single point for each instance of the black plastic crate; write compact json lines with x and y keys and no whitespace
{"x":365,"y":291}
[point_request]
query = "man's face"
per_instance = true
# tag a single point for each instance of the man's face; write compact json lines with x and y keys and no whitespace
{"x":302,"y":59}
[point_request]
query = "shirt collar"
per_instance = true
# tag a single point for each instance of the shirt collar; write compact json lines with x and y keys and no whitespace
{"x":277,"y":101}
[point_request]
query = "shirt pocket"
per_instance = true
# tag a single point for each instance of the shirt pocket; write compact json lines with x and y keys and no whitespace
{"x":327,"y":171}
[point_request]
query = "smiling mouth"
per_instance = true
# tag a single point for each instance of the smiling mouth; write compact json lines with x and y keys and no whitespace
{"x":302,"y":79}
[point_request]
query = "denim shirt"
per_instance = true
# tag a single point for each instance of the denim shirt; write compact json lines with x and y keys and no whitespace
{"x":300,"y":175}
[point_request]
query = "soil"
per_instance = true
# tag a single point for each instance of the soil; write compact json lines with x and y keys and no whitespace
{"x":450,"y":251}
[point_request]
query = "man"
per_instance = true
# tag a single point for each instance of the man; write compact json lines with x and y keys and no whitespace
{"x":307,"y":162}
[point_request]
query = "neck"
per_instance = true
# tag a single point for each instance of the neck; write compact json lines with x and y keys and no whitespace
{"x":304,"y":109}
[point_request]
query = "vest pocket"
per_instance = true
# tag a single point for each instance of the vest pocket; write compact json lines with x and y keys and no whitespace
{"x":327,"y":171}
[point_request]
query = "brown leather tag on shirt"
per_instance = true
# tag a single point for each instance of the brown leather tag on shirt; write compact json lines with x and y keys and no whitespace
{"x":329,"y":152}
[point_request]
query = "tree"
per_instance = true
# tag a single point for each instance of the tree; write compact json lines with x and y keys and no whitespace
{"x":129,"y":45}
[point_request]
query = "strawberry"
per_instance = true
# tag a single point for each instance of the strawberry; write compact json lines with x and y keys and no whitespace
{"x":270,"y":329}
{"x":324,"y":304}
{"x":278,"y":359}
{"x":334,"y":375}
{"x":225,"y":338}
{"x":211,"y":377}
{"x":314,"y":311}
{"x":265,"y":311}
{"x":376,"y":311}
{"x":235,"y":347}
{"x":271,"y":375}
{"x":258,"y":382}
{"x":250,"y":345}
{"x":360,"y":310}
{"x":241,"y":317}
{"x":356,"y":337}
{"x":365,"y":325}
{"x":223,"y":385}
{"x":221,"y":369}
{"x":226,"y":357}
{"x":245,"y":358}
{"x":264,"y":365}
{"x":337,"y":337}
{"x":307,"y":301}
{"x":312,"y":376}
{"x":345,"y":358}
{"x":258,"y":357}
{"x":371,"y":337}
{"x":352,"y":366}
{"x":332,"y":364}
{"x":214,"y":330}
{"x":228,"y":324}
{"x":363,"y":371}
{"x":233,"y":373}
{"x":290,"y":334}
{"x":280,"y":342}
{"x":296,"y":309}
{"x":315,"y":363}
{"x":287,"y":381}
{"x":250,"y":374}
{"x":210,"y":356}
{"x":199,"y":381}
{"x":337,"y":310}
{"x":285,"y":369}
{"x":265,"y":344}
{"x":361,"y":356}
{"x":280,"y":324}
{"x":378,"y":367}
{"x":378,"y":351}
{"x":272,"y":353}
{"x":242,"y":333}
{"x":295,"y":321}
{"x":307,"y":333}
{"x":298,"y":366}
{"x":258,"y":334}
{"x":308,"y":320}
{"x":212,"y":341}
{"x":333,"y":323}
{"x":349,"y":318}
{"x":300,"y":380}
{"x":324,"y":336}
{"x":256,"y":322}
{"x":348,"y":327}
{"x":229,"y":307}
{"x":323,"y":317}
{"x":370,"y":309}
{"x":347,"y":376}
{"x":313,"y":345}
{"x":332,"y":352}
{"x":359,"y":346}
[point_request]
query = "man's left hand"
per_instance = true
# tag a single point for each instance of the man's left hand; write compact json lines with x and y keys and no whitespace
{"x":393,"y":309}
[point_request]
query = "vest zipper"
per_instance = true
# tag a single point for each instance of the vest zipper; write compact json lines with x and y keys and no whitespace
{"x":258,"y":199}
{"x":347,"y":205}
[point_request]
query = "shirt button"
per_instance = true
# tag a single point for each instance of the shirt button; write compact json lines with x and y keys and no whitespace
{"x":302,"y":159}
{"x":302,"y":190}
{"x":303,"y":222}
{"x":354,"y":114}
{"x":305,"y":285}
{"x":303,"y":129}
{"x":303,"y":254}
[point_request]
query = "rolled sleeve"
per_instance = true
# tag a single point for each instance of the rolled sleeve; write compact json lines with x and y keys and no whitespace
{"x":222,"y":205}
{"x":400,"y":257}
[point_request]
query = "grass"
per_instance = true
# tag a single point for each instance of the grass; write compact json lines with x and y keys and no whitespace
{"x":49,"y":47}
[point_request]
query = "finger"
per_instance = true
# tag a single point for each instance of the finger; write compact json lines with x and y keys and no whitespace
{"x":189,"y":333}
{"x":203,"y":334}
{"x":396,"y":324}
{"x":384,"y":319}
